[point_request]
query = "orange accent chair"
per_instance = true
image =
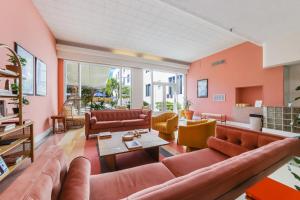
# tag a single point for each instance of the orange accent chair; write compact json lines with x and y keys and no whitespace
{"x":195,"y":134}
{"x":166,"y":124}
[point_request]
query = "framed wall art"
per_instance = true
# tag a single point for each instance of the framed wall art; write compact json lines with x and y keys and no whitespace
{"x":27,"y":70}
{"x":202,"y":88}
{"x":41,"y":78}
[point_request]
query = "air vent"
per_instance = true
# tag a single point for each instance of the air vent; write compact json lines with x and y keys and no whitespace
{"x":219,"y":62}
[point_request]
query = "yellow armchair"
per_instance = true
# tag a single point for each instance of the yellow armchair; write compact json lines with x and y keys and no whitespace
{"x":166,"y":124}
{"x":196,"y":133}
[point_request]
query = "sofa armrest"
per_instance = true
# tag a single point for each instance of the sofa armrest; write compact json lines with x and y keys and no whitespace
{"x":77,"y":183}
{"x":88,"y":117}
{"x":143,"y":116}
{"x":93,"y":120}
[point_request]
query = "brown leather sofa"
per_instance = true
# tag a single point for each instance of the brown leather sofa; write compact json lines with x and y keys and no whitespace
{"x":116,"y":120}
{"x":235,"y":159}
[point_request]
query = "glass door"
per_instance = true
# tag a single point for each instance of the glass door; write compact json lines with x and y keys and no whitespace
{"x":164,"y":97}
{"x":158,"y":98}
{"x":170,"y":101}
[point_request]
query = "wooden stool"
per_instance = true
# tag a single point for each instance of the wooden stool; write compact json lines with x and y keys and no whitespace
{"x":59,"y":118}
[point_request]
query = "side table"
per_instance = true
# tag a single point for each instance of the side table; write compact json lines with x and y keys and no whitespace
{"x":59,"y":118}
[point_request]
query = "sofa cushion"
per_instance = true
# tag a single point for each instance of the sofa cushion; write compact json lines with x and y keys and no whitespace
{"x":185,"y":163}
{"x":77,"y":183}
{"x":225,"y":147}
{"x":133,"y":122}
{"x":117,"y":185}
{"x":106,"y":124}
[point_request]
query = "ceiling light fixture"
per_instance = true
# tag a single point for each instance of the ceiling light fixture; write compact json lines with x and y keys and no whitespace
{"x":123,"y":52}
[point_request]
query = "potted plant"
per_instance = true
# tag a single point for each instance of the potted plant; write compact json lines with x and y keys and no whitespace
{"x":13,"y":62}
{"x":295,"y":163}
{"x":14,"y":88}
{"x":188,"y":113}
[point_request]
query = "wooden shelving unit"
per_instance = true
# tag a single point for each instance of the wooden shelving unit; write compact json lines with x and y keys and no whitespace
{"x":22,"y":134}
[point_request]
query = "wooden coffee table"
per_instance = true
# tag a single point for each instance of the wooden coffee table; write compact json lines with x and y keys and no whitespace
{"x":109,"y":148}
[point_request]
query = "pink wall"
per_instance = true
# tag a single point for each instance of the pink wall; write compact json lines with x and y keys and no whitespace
{"x":242,"y":68}
{"x":20,"y":22}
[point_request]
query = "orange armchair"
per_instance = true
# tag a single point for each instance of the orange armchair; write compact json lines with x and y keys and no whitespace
{"x":166,"y":124}
{"x":196,"y":133}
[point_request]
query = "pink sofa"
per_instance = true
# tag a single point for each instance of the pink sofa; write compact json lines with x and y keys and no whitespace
{"x":234,"y":160}
{"x":116,"y":120}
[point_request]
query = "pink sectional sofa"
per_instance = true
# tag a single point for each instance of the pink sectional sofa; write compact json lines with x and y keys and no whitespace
{"x":235,"y":159}
{"x":116,"y":120}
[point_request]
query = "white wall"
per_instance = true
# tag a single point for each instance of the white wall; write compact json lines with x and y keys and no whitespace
{"x":281,"y":50}
{"x":137,"y":87}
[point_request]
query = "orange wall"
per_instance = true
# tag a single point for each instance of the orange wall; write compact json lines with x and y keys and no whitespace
{"x":242,"y":68}
{"x":20,"y":22}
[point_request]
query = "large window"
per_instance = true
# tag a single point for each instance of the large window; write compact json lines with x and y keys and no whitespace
{"x":163,"y":91}
{"x":97,"y":86}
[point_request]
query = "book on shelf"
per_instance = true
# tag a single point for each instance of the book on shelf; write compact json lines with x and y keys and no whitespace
{"x":132,"y":145}
{"x":14,"y":158}
{"x":16,"y":121}
{"x":105,"y":135}
{"x":7,"y":141}
{"x":7,"y":127}
{"x":8,"y":72}
{"x":4,"y":92}
{"x":3,"y":167}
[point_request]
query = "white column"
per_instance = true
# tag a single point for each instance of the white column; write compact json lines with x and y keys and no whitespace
{"x":136,"y":88}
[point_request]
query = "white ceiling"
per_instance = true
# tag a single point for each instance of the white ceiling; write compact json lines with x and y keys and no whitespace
{"x":148,"y":26}
{"x":258,"y":20}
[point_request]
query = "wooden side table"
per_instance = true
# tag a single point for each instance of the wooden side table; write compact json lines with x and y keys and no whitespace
{"x":59,"y":118}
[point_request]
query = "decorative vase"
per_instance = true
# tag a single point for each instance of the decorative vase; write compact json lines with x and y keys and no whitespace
{"x":189,"y":114}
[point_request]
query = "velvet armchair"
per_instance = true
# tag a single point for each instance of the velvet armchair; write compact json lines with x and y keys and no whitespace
{"x":195,"y":134}
{"x":166,"y":124}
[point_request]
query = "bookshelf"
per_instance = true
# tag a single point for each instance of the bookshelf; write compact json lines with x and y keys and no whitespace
{"x":17,"y":143}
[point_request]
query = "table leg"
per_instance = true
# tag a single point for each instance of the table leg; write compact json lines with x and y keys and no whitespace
{"x":53,"y":125}
{"x":111,"y":162}
{"x":65,"y":124}
{"x":153,"y":152}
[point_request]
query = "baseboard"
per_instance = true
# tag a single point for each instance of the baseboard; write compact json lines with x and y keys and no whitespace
{"x":38,"y":140}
